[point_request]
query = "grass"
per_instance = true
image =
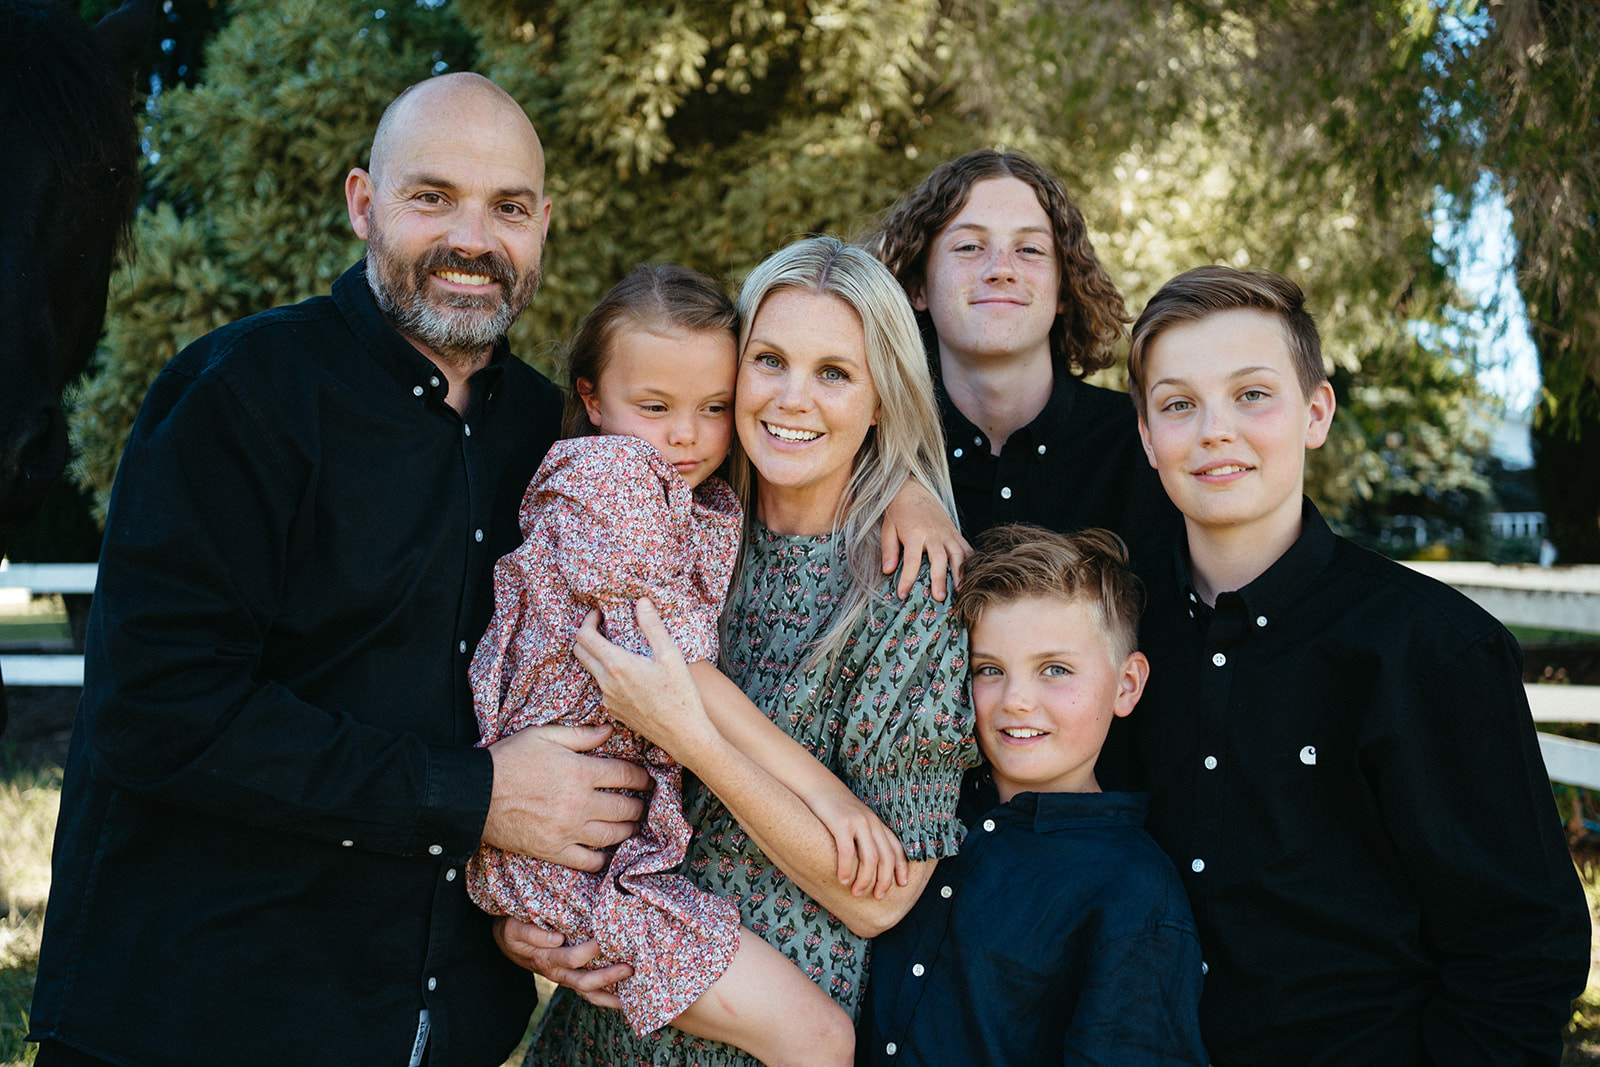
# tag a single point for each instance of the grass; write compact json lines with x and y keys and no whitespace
{"x":30,"y":798}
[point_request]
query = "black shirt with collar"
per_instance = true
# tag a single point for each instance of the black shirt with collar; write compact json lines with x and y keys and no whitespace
{"x":273,"y":784}
{"x":1059,"y":934}
{"x":1343,"y":767}
{"x":1079,"y":463}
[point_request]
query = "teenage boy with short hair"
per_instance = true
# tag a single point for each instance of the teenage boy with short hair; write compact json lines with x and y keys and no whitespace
{"x":1341,"y":759}
{"x":1060,"y":933}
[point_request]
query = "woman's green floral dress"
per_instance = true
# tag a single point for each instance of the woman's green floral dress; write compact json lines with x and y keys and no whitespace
{"x":890,"y":718}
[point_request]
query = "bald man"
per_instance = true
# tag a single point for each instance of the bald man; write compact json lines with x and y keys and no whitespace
{"x":273,"y":782}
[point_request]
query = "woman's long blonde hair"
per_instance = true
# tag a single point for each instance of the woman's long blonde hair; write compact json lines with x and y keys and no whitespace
{"x":907,"y":442}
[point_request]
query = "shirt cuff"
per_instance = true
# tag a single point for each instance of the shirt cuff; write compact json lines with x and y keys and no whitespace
{"x":460,"y":780}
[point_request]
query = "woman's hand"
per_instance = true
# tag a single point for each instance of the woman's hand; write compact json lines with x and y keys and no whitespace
{"x":654,"y":697}
{"x":917,"y":523}
{"x":546,"y":953}
{"x":871,"y":858}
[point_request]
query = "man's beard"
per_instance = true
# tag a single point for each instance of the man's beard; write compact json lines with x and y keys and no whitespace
{"x":456,"y":327}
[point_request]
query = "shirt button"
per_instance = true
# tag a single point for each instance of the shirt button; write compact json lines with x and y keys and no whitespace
{"x":917,"y":969}
{"x":450,"y":875}
{"x":958,"y":453}
{"x":462,"y":647}
{"x":1261,"y":620}
{"x":417,"y":390}
{"x":891,"y":1048}
{"x":434,"y":381}
{"x":1005,"y":492}
{"x":1219,"y":659}
{"x":1041,"y":450}
{"x":433,"y":983}
{"x":347,"y":843}
{"x":945,"y":891}
{"x":988,"y":825}
{"x":977,"y":440}
{"x":1197,"y":866}
{"x":1205,"y":968}
{"x":477,"y":535}
{"x":466,"y":429}
{"x":434,"y":850}
{"x":1211,"y":763}
{"x":1193,"y":599}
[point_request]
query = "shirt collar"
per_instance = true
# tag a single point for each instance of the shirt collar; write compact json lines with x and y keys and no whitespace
{"x":398,"y":356}
{"x":963,"y":433}
{"x":1280,"y":587}
{"x":1053,"y":812}
{"x":1049,"y":812}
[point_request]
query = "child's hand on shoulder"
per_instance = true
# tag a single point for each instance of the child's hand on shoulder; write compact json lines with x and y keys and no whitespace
{"x":871,"y":858}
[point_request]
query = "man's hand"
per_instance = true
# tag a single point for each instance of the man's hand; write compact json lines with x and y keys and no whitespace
{"x":917,"y":522}
{"x":551,"y":802}
{"x":545,"y":952}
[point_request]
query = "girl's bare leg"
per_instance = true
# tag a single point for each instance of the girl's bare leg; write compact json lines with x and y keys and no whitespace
{"x":765,"y":1005}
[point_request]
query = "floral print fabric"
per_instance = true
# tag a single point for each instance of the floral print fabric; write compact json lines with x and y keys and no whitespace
{"x":607,"y":520}
{"x":890,"y":718}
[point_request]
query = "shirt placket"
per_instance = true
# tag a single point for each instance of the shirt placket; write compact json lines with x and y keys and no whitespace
{"x":1220,"y":652}
{"x":444,"y":929}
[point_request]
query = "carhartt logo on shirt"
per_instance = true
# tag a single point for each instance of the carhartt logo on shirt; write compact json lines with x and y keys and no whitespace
{"x":1308,"y":755}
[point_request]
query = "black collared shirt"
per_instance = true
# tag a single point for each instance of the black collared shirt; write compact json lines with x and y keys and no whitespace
{"x":272,"y":785}
{"x":1059,"y":934}
{"x":1079,"y":463}
{"x":1344,"y":770}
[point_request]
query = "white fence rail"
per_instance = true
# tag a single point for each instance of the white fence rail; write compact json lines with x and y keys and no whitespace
{"x":1556,"y":598}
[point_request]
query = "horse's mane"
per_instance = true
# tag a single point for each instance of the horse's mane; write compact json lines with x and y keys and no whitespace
{"x":55,"y":83}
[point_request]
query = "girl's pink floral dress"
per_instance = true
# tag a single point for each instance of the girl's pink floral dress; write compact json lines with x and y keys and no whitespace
{"x":606,"y":520}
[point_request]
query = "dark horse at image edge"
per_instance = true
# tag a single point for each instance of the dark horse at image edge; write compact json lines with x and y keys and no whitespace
{"x":72,"y":184}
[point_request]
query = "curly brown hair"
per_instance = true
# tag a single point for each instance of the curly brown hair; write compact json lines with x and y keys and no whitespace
{"x":1085,"y":336}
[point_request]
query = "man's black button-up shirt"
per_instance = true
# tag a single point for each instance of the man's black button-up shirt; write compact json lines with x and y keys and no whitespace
{"x":272,"y":785}
{"x":1344,"y":770}
{"x":1079,"y":463}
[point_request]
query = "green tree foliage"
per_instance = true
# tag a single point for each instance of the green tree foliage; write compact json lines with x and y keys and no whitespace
{"x":1541,"y":132}
{"x":1299,"y":136}
{"x":246,"y":185}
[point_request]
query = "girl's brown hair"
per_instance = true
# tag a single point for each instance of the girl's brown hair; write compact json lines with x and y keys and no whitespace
{"x":654,"y":297}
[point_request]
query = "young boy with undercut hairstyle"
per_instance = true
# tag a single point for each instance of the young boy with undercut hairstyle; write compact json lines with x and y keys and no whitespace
{"x":1059,"y":933}
{"x":1340,"y":755}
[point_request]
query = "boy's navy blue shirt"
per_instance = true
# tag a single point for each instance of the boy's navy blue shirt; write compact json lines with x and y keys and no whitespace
{"x":1059,"y":934}
{"x":1344,"y":769}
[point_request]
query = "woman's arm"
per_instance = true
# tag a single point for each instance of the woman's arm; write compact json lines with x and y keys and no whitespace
{"x":870,"y":856}
{"x":658,"y":698}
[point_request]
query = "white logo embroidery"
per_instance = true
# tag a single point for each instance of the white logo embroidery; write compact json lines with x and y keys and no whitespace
{"x":1308,"y":755}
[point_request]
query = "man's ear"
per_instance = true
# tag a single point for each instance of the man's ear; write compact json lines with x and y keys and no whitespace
{"x":358,"y":192}
{"x":1320,"y":410}
{"x":1144,"y":439}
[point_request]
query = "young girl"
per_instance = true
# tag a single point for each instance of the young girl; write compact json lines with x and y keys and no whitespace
{"x":631,"y":509}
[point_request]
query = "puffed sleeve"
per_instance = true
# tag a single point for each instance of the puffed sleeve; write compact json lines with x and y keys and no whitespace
{"x":606,"y":521}
{"x":625,"y":526}
{"x":907,"y":737}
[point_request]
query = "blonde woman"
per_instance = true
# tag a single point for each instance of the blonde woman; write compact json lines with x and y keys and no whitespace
{"x":834,"y":409}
